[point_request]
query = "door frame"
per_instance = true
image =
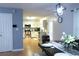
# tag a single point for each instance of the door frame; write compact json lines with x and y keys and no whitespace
{"x":11,"y":31}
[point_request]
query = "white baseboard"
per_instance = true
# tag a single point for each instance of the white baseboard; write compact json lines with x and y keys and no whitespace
{"x":17,"y":49}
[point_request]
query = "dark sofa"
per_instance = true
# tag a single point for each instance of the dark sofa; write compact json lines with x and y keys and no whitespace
{"x":76,"y":47}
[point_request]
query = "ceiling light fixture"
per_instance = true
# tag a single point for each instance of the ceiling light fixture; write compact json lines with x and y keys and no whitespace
{"x":45,"y":18}
{"x":59,"y":9}
{"x":31,"y":17}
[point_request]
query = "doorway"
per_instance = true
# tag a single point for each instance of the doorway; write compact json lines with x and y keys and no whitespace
{"x":31,"y":36}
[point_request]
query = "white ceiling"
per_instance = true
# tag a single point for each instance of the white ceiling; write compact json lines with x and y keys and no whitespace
{"x":35,"y":9}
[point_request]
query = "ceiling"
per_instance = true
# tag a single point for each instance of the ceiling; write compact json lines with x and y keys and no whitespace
{"x":33,"y":9}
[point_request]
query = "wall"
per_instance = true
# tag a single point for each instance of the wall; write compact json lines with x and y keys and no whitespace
{"x":18,"y":33}
{"x":76,"y":23}
{"x":67,"y":24}
{"x":17,"y":20}
{"x":50,"y":30}
{"x":76,"y":19}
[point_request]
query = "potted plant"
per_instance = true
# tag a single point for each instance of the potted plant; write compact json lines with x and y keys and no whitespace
{"x":69,"y":41}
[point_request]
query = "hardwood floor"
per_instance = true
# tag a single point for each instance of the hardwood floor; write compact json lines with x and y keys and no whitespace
{"x":30,"y":46}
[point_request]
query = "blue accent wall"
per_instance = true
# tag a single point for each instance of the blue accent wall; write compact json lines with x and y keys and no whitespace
{"x":18,"y":34}
{"x":17,"y":20}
